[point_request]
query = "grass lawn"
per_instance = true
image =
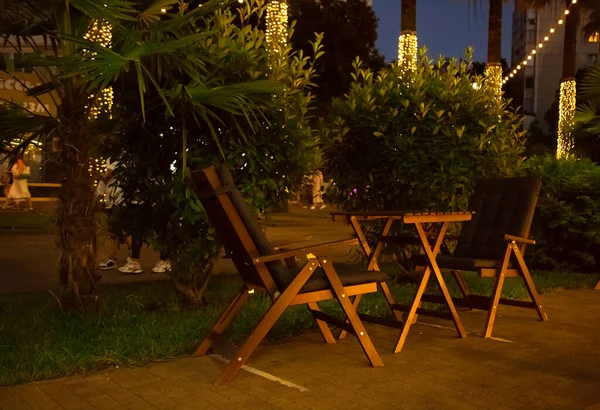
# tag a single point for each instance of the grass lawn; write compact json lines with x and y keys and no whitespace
{"x":141,"y":323}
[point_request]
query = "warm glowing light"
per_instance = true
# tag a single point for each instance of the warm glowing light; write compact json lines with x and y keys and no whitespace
{"x":519,"y":67}
{"x":407,"y":50}
{"x":511,"y":75}
{"x":163,"y":10}
{"x":560,"y":21}
{"x":566,"y":12}
{"x":546,"y":38}
{"x":277,"y":25}
{"x":100,"y":32}
{"x":540,"y":45}
{"x":524,"y":62}
{"x":566,"y":114}
{"x":493,"y":75}
{"x":552,"y":30}
{"x":594,"y":38}
{"x":533,"y":51}
{"x":529,"y":57}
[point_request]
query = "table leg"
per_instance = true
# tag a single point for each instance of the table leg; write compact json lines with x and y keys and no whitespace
{"x":432,"y":254}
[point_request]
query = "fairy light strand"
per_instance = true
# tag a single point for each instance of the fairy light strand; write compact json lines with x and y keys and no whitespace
{"x":277,"y":26}
{"x":100,"y":32}
{"x":493,"y":75}
{"x":566,"y":114}
{"x":407,"y":50}
{"x":538,"y":48}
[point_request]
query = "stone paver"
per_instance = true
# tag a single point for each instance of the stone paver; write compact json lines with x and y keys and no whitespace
{"x":532,"y":365}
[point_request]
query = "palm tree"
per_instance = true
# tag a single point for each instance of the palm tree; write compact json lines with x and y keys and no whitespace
{"x":407,"y":43}
{"x":493,"y":71}
{"x":154,"y":47}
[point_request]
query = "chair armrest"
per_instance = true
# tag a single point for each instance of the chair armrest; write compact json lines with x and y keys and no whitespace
{"x":519,"y":239}
{"x":287,"y":241}
{"x":303,"y":251}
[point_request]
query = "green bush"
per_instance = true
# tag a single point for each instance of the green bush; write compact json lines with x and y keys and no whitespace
{"x":417,"y":140}
{"x":567,"y":219}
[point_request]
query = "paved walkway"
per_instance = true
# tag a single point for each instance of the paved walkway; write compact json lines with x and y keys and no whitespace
{"x":531,"y":365}
{"x":28,"y":260}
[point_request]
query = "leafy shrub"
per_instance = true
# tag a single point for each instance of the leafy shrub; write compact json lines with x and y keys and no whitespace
{"x":417,"y":140}
{"x":269,"y":151}
{"x":567,"y":220}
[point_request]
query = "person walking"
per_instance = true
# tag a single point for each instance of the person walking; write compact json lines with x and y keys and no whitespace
{"x":19,"y":189}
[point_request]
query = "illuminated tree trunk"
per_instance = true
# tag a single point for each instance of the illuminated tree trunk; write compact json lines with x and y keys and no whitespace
{"x":277,"y":26}
{"x":493,"y":70}
{"x":407,"y":43}
{"x":567,"y":100}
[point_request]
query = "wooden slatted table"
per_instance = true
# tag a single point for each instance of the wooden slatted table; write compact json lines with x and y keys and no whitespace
{"x":417,"y":219}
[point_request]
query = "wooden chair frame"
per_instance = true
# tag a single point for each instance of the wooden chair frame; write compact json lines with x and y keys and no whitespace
{"x":251,"y":261}
{"x":515,"y":248}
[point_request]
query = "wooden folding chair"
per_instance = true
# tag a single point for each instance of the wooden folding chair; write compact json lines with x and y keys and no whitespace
{"x":262,"y":270}
{"x":493,"y":244}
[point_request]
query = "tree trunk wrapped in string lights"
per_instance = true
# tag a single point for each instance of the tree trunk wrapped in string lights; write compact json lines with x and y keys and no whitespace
{"x":407,"y":51}
{"x":493,"y":75}
{"x":567,"y":100}
{"x":277,"y":26}
{"x":407,"y":43}
{"x":566,"y":115}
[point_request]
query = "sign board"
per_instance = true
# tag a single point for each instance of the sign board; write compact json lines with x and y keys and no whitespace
{"x":14,"y":88}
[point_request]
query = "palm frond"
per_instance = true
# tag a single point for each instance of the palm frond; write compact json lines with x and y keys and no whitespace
{"x":591,"y":82}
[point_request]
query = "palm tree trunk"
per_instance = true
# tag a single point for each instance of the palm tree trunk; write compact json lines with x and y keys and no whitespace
{"x":494,"y":54}
{"x":493,"y":70}
{"x":76,"y":208}
{"x":567,"y":99}
{"x":407,"y":43}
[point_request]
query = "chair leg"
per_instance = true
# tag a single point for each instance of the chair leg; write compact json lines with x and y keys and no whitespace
{"x":597,"y":285}
{"x":355,"y":302}
{"x":359,"y":329}
{"x":496,"y":293}
{"x":535,"y":297}
{"x":323,"y":326}
{"x":267,"y":322}
{"x":223,"y":321}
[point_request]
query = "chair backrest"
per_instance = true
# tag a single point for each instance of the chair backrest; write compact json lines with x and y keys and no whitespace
{"x":237,"y":228}
{"x":502,"y":206}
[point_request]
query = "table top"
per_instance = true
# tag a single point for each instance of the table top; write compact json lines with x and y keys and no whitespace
{"x":407,"y":216}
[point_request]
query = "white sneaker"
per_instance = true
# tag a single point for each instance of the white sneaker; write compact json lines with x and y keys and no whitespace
{"x":162,"y":266}
{"x":132,"y":266}
{"x":108,"y":264}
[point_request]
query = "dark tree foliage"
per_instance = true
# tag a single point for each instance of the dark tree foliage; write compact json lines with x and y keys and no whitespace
{"x":350,"y":30}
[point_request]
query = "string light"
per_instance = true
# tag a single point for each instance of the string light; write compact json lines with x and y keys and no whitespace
{"x":277,"y":25}
{"x":101,"y":33}
{"x":539,"y":46}
{"x":493,"y":74}
{"x":407,"y":50}
{"x":566,"y":114}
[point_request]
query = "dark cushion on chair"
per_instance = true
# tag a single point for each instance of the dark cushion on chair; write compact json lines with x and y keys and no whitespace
{"x":458,"y":263}
{"x":502,"y":206}
{"x":349,"y":275}
{"x":278,"y":270}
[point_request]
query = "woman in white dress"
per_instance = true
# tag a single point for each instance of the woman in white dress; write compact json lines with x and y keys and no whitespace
{"x":19,"y":191}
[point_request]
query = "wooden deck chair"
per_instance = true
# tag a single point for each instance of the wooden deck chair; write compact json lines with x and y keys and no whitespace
{"x":493,"y":244}
{"x":276,"y":273}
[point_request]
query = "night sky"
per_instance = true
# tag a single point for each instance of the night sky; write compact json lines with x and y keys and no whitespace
{"x":445,"y":26}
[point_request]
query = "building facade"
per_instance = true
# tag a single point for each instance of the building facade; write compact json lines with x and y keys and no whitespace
{"x":535,"y":87}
